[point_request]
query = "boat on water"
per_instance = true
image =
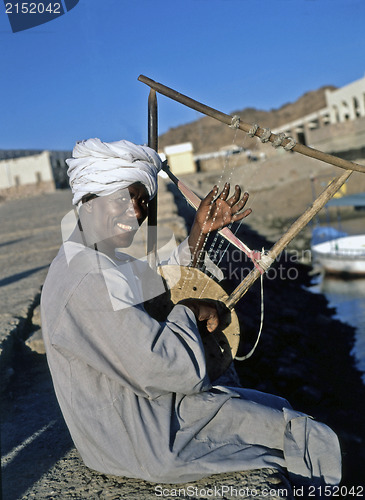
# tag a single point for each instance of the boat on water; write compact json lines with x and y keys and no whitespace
{"x":345,"y":255}
{"x":335,"y":251}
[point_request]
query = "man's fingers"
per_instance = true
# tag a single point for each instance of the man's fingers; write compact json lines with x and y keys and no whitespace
{"x":220,"y":211}
{"x":212,"y":323}
{"x":238,"y":206}
{"x":208,"y":313}
{"x":225,"y":192}
{"x":203,"y":311}
{"x":236,"y":196}
{"x":210,"y":196}
{"x":237,"y":217}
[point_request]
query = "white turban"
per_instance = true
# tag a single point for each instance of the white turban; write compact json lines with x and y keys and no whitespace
{"x":102,"y":168}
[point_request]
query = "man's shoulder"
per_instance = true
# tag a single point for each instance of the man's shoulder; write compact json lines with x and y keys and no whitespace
{"x":75,"y":263}
{"x":74,"y":277}
{"x":82,"y":260}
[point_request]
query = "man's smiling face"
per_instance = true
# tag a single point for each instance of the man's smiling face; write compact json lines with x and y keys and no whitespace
{"x":115,"y":219}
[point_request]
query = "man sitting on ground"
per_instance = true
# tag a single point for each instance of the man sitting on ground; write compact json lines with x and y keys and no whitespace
{"x":135,"y":392}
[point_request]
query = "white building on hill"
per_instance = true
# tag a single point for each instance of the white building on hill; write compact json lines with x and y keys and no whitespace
{"x":337,"y":128}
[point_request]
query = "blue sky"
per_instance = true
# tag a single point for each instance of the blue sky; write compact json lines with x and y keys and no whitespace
{"x":76,"y":77}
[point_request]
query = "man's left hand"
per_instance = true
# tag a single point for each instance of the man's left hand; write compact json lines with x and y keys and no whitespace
{"x":216,"y":212}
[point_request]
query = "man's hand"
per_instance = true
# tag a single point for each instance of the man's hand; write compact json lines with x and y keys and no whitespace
{"x":204,"y":311}
{"x":216,"y":212}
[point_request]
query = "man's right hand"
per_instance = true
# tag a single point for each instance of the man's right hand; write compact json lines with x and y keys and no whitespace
{"x":204,"y":310}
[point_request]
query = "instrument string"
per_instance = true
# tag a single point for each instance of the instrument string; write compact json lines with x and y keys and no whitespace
{"x":215,"y":250}
{"x":238,"y":225}
{"x":200,"y":261}
{"x":253,"y":174}
{"x":237,"y":228}
{"x":211,"y":252}
{"x":253,"y":198}
{"x":195,"y":250}
{"x":249,"y":354}
{"x":249,"y":182}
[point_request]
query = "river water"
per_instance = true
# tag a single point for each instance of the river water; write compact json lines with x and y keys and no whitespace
{"x":348,"y":297}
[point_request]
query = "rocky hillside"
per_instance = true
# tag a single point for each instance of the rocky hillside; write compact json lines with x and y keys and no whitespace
{"x":208,"y":134}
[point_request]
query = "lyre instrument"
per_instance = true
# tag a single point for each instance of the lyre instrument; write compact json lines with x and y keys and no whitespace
{"x":221,"y":346}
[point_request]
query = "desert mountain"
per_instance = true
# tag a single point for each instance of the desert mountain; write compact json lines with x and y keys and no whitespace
{"x":208,"y":134}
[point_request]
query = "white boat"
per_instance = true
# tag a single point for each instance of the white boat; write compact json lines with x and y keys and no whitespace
{"x":336,"y":252}
{"x":345,"y":255}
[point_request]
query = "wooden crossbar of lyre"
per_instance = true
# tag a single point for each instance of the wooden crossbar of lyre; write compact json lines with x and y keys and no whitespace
{"x":306,"y":217}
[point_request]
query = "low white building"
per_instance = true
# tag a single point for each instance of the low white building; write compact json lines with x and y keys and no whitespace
{"x":180,"y":158}
{"x":34,"y":169}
